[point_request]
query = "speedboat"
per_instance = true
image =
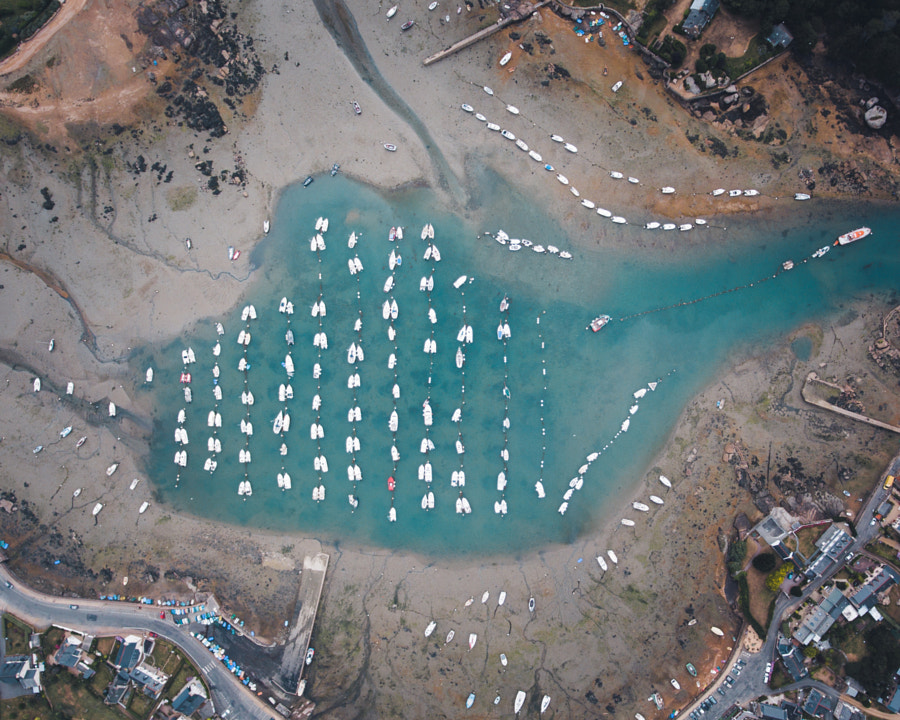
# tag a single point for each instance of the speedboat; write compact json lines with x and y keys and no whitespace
{"x":853,"y":236}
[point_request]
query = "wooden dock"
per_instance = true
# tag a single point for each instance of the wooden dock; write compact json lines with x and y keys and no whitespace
{"x":515,"y":13}
{"x":294,"y":658}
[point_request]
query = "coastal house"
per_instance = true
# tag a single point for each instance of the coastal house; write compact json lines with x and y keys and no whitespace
{"x":775,"y":526}
{"x":780,"y":37}
{"x":23,"y":671}
{"x":772,"y":712}
{"x":830,"y":549}
{"x":865,"y":598}
{"x":821,"y":618}
{"x":149,"y":679}
{"x":791,"y":658}
{"x":70,"y":654}
{"x":130,"y":654}
{"x":818,"y":704}
{"x":190,"y":698}
{"x":699,"y":16}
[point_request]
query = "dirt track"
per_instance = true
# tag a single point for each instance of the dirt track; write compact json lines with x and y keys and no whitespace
{"x":30,"y":47}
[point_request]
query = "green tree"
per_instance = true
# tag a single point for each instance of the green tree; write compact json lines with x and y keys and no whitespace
{"x":810,"y":651}
{"x":700,"y":65}
{"x":764,"y":562}
{"x":773,"y":582}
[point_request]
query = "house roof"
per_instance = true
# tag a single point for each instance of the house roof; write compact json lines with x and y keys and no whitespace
{"x":772,"y":712}
{"x":780,"y":36}
{"x":191,"y":697}
{"x":129,"y":654}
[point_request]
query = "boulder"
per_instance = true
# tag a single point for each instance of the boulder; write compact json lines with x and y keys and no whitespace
{"x":876,"y":117}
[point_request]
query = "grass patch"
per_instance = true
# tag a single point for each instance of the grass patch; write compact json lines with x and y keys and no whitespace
{"x":757,"y":51}
{"x":807,"y":539}
{"x":25,"y":85}
{"x":883,"y":551}
{"x":70,"y":697}
{"x":140,"y":705}
{"x":17,"y":635}
{"x":181,"y":198}
{"x":102,"y":678}
{"x":25,"y":708}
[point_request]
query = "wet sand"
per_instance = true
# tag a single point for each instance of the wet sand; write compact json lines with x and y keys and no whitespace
{"x":596,"y":643}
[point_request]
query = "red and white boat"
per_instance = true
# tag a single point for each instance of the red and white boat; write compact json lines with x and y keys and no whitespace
{"x":598,"y":323}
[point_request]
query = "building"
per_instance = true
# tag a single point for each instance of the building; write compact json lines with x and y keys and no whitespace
{"x":780,"y":37}
{"x":791,"y":658}
{"x":70,"y":655}
{"x":700,"y":14}
{"x":772,"y":712}
{"x":818,"y":703}
{"x":23,"y":670}
{"x":150,"y":679}
{"x":831,"y":548}
{"x":866,"y":597}
{"x":775,"y":526}
{"x":190,"y":698}
{"x":819,"y":621}
{"x":130,"y":653}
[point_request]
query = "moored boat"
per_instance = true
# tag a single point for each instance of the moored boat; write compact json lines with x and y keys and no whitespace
{"x":430,"y":629}
{"x":801,"y":196}
{"x":468,"y":108}
{"x":821,"y":251}
{"x":505,"y":59}
{"x":392,"y":11}
{"x":675,"y":684}
{"x":143,"y":508}
{"x":97,"y":508}
{"x":470,"y":700}
{"x":599,"y":322}
{"x":545,"y":703}
{"x":520,"y":701}
{"x":407,"y":25}
{"x":853,"y":236}
{"x":390,"y":147}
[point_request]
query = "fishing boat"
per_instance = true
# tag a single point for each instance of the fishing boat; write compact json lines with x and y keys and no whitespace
{"x":520,"y":701}
{"x":143,"y":508}
{"x":392,"y":11}
{"x":545,"y":703}
{"x":473,"y":638}
{"x":390,"y":147}
{"x":602,"y":563}
{"x":505,"y":59}
{"x":853,"y":236}
{"x":470,"y":700}
{"x":407,"y":25}
{"x":430,"y":629}
{"x":598,"y":323}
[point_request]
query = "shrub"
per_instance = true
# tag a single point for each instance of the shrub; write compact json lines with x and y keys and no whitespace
{"x":764,"y":562}
{"x":700,"y":65}
{"x":773,"y":582}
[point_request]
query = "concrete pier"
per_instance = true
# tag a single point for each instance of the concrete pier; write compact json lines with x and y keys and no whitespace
{"x":807,"y":396}
{"x":515,"y":14}
{"x":294,"y":658}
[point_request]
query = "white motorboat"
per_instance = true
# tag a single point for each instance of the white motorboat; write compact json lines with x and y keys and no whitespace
{"x":545,"y":703}
{"x":115,"y":466}
{"x":619,"y":220}
{"x":652,"y":225}
{"x":717,"y":192}
{"x":392,"y":11}
{"x":430,"y":629}
{"x":801,"y":196}
{"x":613,"y":556}
{"x":562,"y":178}
{"x":589,"y":204}
{"x":665,"y":481}
{"x":668,"y":190}
{"x":633,"y":180}
{"x":97,"y":508}
{"x":488,"y":90}
{"x":669,"y":226}
{"x":479,"y":116}
{"x":520,"y":701}
{"x":521,"y":145}
{"x":389,"y":284}
{"x":460,"y":281}
{"x":507,"y":134}
{"x":604,"y":212}
{"x":751,"y":193}
{"x":493,"y":126}
{"x":473,"y":638}
{"x":512,"y":109}
{"x":616,"y":175}
{"x":148,"y":377}
{"x":570,"y":147}
{"x":735,"y":193}
{"x":602,"y":563}
{"x":627,"y":523}
{"x":537,"y":157}
{"x":557,"y":138}
{"x":656,"y":499}
{"x":468,"y":108}
{"x":505,"y":59}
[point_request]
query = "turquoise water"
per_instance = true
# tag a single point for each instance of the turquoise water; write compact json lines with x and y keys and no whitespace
{"x":581,"y":401}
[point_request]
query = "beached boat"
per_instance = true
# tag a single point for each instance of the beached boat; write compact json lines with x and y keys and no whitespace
{"x":531,"y":604}
{"x":751,"y":193}
{"x":669,"y":226}
{"x":407,"y":25}
{"x":570,"y":147}
{"x":562,"y":178}
{"x":691,"y":669}
{"x":97,"y":508}
{"x":589,"y":204}
{"x":675,"y":684}
{"x":618,"y":219}
{"x":507,"y":134}
{"x":536,"y":156}
{"x":473,"y":638}
{"x":512,"y":109}
{"x":468,"y":108}
{"x":640,"y":506}
{"x":616,"y":175}
{"x":488,"y":90}
{"x":574,"y":191}
{"x":627,"y":523}
{"x":617,"y":86}
{"x":598,"y":323}
{"x":545,"y":703}
{"x":717,"y":192}
{"x":493,"y":126}
{"x":81,"y":441}
{"x":143,"y":508}
{"x":801,"y":196}
{"x":390,"y":147}
{"x":112,"y":468}
{"x":853,"y":236}
{"x":433,"y":5}
{"x":652,"y":225}
{"x":520,"y":701}
{"x":430,"y":629}
{"x":735,"y":193}
{"x":482,"y":118}
{"x":470,"y":700}
{"x":613,"y":557}
{"x":521,"y":145}
{"x":684,"y":227}
{"x":392,"y":11}
{"x":717,"y":631}
{"x":602,"y":563}
{"x":505,"y":59}
{"x":668,"y":190}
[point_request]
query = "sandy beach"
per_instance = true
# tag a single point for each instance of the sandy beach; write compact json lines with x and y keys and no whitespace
{"x":108,"y":239}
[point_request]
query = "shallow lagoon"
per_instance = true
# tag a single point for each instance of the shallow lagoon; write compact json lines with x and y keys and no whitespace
{"x":586,"y":392}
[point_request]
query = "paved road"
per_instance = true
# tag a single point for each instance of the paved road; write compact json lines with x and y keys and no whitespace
{"x":748,"y":684}
{"x":97,"y":617}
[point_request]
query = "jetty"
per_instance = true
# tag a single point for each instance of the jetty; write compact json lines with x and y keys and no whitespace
{"x":510,"y":12}
{"x":813,"y":378}
{"x":293,"y":661}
